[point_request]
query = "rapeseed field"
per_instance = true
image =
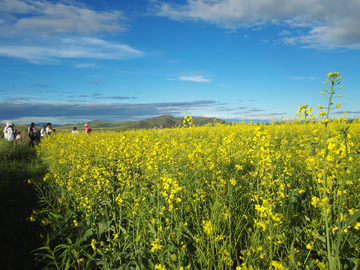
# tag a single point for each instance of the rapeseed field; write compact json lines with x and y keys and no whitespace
{"x":223,"y":196}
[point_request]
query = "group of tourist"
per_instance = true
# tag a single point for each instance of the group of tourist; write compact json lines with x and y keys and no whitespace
{"x":11,"y":134}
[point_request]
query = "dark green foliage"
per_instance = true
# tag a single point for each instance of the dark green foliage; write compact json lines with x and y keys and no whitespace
{"x":18,"y":235}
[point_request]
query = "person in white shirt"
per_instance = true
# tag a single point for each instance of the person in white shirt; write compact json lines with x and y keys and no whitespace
{"x":6,"y":126}
{"x":49,"y":129}
{"x":18,"y":137}
{"x":74,"y":131}
{"x":9,"y":132}
{"x":43,"y":132}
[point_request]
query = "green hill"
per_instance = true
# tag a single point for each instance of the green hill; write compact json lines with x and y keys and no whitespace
{"x":164,"y":121}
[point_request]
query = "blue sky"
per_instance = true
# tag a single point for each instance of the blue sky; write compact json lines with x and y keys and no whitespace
{"x":76,"y":61}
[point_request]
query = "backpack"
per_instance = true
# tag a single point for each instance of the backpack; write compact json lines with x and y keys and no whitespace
{"x":32,"y":133}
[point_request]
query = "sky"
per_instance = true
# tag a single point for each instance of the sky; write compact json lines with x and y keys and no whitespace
{"x":76,"y":61}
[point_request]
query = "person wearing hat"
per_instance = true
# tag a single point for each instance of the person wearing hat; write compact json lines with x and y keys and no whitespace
{"x":87,"y":128}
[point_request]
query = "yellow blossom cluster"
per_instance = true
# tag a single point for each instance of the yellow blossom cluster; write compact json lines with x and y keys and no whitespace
{"x":221,"y":196}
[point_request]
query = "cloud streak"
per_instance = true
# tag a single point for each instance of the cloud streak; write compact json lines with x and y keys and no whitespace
{"x":194,"y":79}
{"x":330,"y":23}
{"x":39,"y":85}
{"x":44,"y":32}
{"x":47,"y":18}
{"x":121,"y":98}
{"x":106,"y":111}
{"x":97,"y":83}
{"x":71,"y":48}
{"x":248,"y":112}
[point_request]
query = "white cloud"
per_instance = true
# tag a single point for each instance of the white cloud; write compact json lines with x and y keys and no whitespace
{"x":291,"y":40}
{"x":44,"y":31}
{"x":284,"y":32}
{"x":170,"y":79}
{"x":330,"y":23}
{"x":81,"y":48}
{"x":246,"y":36}
{"x":47,"y":18}
{"x":194,"y":79}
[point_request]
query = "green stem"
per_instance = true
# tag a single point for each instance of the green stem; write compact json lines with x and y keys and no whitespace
{"x":337,"y":248}
{"x":330,"y":259}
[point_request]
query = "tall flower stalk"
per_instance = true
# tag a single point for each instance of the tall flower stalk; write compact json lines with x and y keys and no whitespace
{"x":333,"y":80}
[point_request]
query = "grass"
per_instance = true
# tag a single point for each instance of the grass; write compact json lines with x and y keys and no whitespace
{"x":18,"y":235}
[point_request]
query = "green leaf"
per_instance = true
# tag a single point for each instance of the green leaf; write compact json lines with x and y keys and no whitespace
{"x":145,"y":263}
{"x":292,"y":254}
{"x":152,"y":229}
{"x":293,"y":196}
{"x":347,"y":223}
{"x":123,"y":230}
{"x":67,"y":266}
{"x":321,"y":238}
{"x":186,"y":231}
{"x":57,"y":216}
{"x":69,"y":214}
{"x":86,"y":235}
{"x":352,"y":219}
{"x":61,"y":246}
{"x":103,"y":226}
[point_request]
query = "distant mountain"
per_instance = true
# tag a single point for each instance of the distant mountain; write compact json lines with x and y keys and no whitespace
{"x":164,"y":121}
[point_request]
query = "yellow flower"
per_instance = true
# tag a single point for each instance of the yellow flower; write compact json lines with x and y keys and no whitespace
{"x":308,"y":246}
{"x":160,"y":267}
{"x":208,"y":226}
{"x":93,"y":244}
{"x":320,"y":107}
{"x":357,"y":226}
{"x":155,"y":245}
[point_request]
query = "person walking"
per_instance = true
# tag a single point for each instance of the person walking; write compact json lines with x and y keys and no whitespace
{"x":5,"y":129}
{"x":32,"y":134}
{"x":49,"y":129}
{"x":87,"y":129}
{"x":9,"y":132}
{"x":43,"y":132}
